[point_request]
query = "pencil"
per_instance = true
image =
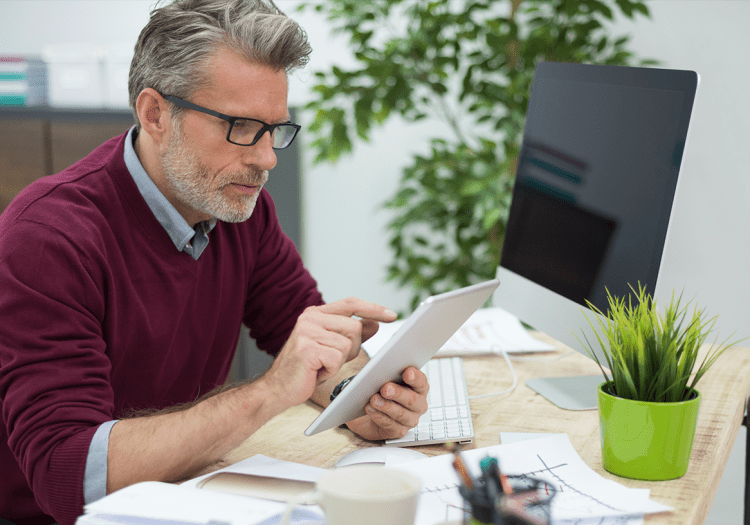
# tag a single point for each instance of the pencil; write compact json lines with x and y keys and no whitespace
{"x":463,"y":473}
{"x":504,"y":482}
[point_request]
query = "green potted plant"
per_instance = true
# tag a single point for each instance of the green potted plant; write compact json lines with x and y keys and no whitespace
{"x":648,"y":403}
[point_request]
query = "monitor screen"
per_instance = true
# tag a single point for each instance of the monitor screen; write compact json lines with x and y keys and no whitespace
{"x":595,"y":182}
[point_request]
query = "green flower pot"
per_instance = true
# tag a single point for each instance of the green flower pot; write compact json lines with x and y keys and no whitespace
{"x":646,"y":440}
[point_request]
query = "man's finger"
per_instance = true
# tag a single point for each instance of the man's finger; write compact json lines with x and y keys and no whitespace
{"x":407,"y":397}
{"x":369,"y":328}
{"x":388,"y":426}
{"x":354,"y":306}
{"x":396,"y":412}
{"x":417,"y":380}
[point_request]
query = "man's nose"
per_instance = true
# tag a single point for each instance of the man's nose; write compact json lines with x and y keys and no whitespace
{"x":261,"y":154}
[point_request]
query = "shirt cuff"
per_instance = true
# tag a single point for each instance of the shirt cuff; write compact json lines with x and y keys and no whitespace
{"x":95,"y":476}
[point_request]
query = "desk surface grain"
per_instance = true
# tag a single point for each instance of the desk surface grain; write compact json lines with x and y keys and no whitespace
{"x":724,"y":389}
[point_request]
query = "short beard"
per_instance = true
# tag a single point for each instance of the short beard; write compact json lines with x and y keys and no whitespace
{"x":191,"y":182}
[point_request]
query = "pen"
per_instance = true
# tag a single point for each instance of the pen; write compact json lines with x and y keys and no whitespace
{"x":463,"y":472}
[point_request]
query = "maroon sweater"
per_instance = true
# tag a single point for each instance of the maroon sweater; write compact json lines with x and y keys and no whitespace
{"x":101,"y":314}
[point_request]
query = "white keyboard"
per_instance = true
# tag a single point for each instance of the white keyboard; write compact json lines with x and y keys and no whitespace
{"x":448,"y":418}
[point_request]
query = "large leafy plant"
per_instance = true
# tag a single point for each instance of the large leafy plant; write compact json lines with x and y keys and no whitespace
{"x":470,"y":64}
{"x":652,"y":356}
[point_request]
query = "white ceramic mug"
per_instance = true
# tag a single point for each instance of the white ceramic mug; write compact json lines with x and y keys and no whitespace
{"x":363,"y":494}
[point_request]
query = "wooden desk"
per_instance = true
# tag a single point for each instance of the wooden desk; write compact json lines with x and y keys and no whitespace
{"x":724,"y":389}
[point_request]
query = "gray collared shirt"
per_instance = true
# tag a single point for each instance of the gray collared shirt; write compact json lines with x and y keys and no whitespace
{"x":190,"y":240}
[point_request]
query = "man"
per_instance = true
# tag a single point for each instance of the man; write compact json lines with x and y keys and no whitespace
{"x":126,"y":277}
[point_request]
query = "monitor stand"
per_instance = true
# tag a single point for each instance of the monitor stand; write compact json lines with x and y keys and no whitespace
{"x":569,"y":393}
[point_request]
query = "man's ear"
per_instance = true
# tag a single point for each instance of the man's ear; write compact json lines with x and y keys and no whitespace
{"x":154,"y":115}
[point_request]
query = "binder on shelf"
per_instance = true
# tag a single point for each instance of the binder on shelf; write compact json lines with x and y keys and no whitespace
{"x":23,"y":81}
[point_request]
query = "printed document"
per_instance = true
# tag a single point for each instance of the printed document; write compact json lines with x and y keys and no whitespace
{"x":582,"y":494}
{"x":487,"y":331}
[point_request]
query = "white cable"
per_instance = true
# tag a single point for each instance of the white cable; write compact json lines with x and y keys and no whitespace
{"x":499,"y":350}
{"x":496,"y":348}
{"x":542,"y":360}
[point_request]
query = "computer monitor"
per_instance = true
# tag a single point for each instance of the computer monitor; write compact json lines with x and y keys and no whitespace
{"x":595,"y":183}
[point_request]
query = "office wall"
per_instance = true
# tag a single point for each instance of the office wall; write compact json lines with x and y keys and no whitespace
{"x":27,"y":26}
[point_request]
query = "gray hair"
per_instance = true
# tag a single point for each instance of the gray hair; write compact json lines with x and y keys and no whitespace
{"x":174,"y":46}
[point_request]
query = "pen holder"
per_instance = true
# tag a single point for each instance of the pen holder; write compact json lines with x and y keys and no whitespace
{"x":529,"y":504}
{"x":482,"y":507}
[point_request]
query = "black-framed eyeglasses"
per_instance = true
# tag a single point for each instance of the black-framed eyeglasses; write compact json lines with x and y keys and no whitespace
{"x":246,"y":131}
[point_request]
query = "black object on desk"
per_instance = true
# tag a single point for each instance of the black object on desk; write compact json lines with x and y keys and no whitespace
{"x":494,"y":500}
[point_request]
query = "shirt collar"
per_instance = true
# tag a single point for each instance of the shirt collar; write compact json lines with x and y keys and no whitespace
{"x":177,"y":228}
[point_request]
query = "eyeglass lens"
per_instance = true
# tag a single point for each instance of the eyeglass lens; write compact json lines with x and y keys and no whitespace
{"x":245,"y":132}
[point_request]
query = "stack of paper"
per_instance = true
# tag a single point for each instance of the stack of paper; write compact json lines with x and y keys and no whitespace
{"x":151,"y":503}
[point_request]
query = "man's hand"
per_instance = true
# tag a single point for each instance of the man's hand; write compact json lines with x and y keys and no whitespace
{"x":323,"y":340}
{"x":394,"y":409}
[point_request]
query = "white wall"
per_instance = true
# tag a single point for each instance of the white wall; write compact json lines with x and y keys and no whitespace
{"x":26,"y":26}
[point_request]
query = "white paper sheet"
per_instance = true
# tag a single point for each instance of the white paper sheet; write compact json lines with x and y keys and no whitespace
{"x":512,"y":437}
{"x":152,"y":500}
{"x":261,"y":465}
{"x":581,"y":493}
{"x":143,"y":503}
{"x":486,"y":332}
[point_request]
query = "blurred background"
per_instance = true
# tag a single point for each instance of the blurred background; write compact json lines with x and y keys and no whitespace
{"x":335,"y":211}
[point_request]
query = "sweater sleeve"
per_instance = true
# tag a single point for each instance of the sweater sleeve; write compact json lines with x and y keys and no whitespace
{"x":280,"y":287}
{"x":54,"y":385}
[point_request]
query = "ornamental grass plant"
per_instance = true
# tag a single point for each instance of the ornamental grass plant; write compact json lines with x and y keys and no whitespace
{"x":652,"y":356}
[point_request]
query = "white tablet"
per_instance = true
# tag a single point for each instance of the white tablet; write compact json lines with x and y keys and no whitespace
{"x":434,"y":321}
